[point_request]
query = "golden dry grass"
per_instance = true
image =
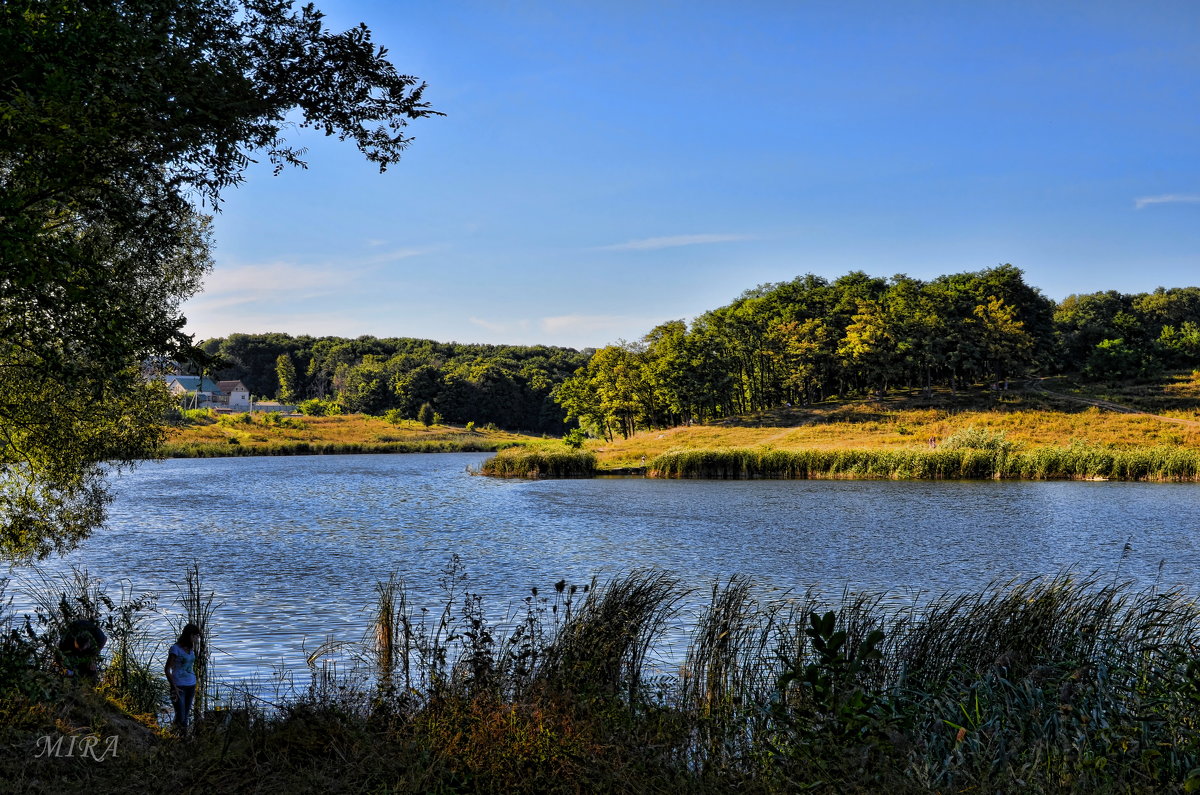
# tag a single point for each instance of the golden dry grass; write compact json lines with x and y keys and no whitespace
{"x":909,"y":421}
{"x":351,"y":429}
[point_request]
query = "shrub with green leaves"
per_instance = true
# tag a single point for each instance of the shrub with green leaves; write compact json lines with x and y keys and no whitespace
{"x":198,"y":416}
{"x":316,"y":407}
{"x":974,"y":438}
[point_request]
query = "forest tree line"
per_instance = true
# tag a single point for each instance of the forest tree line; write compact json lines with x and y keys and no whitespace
{"x":508,"y":385}
{"x":795,"y":342}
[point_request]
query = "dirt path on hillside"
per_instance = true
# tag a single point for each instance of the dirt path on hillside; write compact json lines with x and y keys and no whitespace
{"x":1035,"y":385}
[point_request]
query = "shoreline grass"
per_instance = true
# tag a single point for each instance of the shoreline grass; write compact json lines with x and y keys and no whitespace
{"x":1070,"y":462}
{"x":1048,"y":685}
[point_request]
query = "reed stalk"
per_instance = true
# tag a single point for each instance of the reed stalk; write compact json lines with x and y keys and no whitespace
{"x":198,"y":608}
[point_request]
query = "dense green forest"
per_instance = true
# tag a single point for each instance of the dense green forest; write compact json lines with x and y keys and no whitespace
{"x":793,"y":342}
{"x":511,"y":386}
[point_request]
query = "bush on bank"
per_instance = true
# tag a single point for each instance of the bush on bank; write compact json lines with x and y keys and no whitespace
{"x":540,"y":461}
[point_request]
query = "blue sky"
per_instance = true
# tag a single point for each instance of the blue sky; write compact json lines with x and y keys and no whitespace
{"x":606,"y":166}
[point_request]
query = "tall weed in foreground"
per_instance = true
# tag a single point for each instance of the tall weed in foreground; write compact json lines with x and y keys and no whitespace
{"x":198,"y":608}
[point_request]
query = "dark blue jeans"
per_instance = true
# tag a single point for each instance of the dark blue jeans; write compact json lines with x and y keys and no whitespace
{"x":184,"y":696}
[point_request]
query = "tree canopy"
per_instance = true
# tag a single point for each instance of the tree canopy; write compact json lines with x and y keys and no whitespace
{"x":118,"y":118}
{"x":810,"y":339}
{"x":508,"y":385}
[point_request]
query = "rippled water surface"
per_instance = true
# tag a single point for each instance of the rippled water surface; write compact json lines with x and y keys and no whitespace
{"x":293,"y":546}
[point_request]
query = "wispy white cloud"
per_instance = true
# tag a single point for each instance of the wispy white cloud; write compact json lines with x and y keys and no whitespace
{"x":392,"y":256}
{"x":500,"y":326}
{"x":673,"y":241}
{"x":1166,"y":198}
{"x":274,"y":282}
{"x":284,"y":282}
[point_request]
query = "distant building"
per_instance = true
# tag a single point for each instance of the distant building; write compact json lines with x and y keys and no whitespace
{"x":200,"y":392}
{"x":236,"y":395}
{"x":195,"y":392}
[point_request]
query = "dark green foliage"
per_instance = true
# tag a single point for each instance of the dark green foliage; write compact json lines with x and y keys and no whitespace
{"x":809,"y":339}
{"x":508,"y":386}
{"x":114,"y":118}
{"x":425,"y":415}
{"x":285,"y":371}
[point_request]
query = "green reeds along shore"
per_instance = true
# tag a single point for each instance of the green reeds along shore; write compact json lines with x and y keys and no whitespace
{"x":539,"y":461}
{"x":1078,"y":462}
{"x":1045,"y":686}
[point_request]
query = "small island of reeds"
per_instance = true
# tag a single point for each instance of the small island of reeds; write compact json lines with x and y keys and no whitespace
{"x":540,"y":461}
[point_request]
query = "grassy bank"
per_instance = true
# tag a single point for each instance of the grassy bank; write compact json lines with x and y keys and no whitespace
{"x":205,"y":436}
{"x":1078,"y":462}
{"x":907,"y":420}
{"x":540,"y":461}
{"x":1050,"y":686}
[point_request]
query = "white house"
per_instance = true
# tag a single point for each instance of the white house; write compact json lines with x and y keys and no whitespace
{"x":237,"y":397}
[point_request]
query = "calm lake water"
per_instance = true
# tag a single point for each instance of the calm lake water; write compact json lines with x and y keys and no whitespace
{"x":293,"y":546}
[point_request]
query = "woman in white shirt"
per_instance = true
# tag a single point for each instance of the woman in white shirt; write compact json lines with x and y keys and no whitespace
{"x":181,"y":673}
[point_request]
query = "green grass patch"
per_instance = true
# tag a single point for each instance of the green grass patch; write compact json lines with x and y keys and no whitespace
{"x":1077,"y":461}
{"x":540,"y":461}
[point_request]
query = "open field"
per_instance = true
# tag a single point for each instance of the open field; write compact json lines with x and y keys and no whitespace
{"x":1054,"y":423}
{"x":266,"y":434}
{"x":908,"y":420}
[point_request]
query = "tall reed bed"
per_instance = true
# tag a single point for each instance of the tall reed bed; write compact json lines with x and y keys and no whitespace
{"x":540,"y":461}
{"x":1047,"y":685}
{"x":1066,"y":462}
